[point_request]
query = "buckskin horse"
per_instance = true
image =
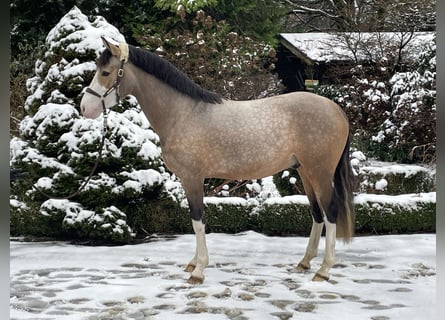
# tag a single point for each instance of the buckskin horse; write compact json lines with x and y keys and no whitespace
{"x":204,"y":136}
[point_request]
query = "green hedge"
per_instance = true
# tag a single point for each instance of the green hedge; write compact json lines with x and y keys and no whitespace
{"x":383,"y":214}
{"x":401,"y":179}
{"x":375,"y":214}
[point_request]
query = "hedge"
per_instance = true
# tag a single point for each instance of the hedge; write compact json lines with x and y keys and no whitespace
{"x":399,"y":179}
{"x":286,"y":216}
{"x":375,"y":214}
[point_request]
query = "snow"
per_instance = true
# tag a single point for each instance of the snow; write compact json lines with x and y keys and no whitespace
{"x":34,"y":156}
{"x":295,"y":199}
{"x":44,"y":183}
{"x":73,"y":33}
{"x":324,"y":47}
{"x":381,"y":184}
{"x":50,"y":114}
{"x":232,"y":201}
{"x":387,"y":276}
{"x":385,"y":168}
{"x":73,"y":210}
{"x":148,"y":177}
{"x":410,"y":200}
{"x":82,"y":34}
{"x":292,"y":180}
{"x":250,"y":276}
{"x":269,"y":189}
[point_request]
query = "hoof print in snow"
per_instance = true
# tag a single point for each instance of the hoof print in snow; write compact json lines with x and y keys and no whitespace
{"x":223,"y":295}
{"x":305,"y":307}
{"x":196,"y":295}
{"x":282,"y":315}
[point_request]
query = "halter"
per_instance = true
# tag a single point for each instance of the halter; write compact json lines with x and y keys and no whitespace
{"x":116,"y":84}
{"x":114,"y":87}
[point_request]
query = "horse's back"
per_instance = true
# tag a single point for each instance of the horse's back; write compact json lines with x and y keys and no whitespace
{"x":299,"y":111}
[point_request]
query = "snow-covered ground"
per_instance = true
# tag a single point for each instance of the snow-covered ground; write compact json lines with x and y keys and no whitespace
{"x":250,"y":276}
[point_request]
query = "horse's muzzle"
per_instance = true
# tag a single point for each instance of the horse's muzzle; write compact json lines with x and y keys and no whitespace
{"x":90,"y":112}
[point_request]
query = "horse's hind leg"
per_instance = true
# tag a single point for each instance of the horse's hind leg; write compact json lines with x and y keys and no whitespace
{"x":196,"y":266}
{"x":324,"y":193}
{"x":319,"y":192}
{"x":312,"y":247}
{"x":329,"y":257}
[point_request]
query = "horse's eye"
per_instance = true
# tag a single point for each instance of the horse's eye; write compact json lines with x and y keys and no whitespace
{"x":105,"y":73}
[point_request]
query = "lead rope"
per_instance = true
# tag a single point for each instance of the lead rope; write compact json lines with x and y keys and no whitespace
{"x":99,"y":157}
{"x":114,"y":87}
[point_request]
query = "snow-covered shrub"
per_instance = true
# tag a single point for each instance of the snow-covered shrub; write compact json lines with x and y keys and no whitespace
{"x":58,"y":147}
{"x":395,"y":179}
{"x":184,"y":6}
{"x":288,"y":182}
{"x":411,"y":127}
{"x":392,"y":117}
{"x":366,"y":103}
{"x":396,"y":215}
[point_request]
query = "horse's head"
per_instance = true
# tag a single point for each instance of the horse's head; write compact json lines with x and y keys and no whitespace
{"x":104,"y":90}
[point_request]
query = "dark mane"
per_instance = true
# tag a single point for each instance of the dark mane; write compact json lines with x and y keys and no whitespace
{"x":166,"y":72}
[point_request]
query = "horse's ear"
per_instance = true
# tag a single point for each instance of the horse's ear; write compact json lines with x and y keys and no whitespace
{"x":112,"y":45}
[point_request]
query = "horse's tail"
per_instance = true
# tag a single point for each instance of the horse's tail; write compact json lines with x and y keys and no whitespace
{"x":342,"y":200}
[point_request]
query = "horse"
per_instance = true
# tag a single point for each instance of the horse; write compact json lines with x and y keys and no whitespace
{"x":203,"y":135}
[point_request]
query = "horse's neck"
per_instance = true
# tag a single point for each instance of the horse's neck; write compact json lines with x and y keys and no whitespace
{"x":162,"y":104}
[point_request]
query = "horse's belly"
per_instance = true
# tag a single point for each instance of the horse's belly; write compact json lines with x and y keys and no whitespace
{"x":242,"y":167}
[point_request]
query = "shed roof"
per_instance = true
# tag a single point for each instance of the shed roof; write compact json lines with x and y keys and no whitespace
{"x":326,"y":47}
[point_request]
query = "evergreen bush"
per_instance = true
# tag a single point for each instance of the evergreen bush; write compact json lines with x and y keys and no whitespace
{"x":58,"y":148}
{"x":392,"y":218}
{"x":288,"y":182}
{"x":132,"y":195}
{"x":392,"y":116}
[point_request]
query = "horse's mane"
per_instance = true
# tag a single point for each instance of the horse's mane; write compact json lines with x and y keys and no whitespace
{"x":166,"y":72}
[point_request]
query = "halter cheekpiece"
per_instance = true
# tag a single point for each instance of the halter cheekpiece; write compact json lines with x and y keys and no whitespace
{"x":114,"y":87}
{"x":116,"y":83}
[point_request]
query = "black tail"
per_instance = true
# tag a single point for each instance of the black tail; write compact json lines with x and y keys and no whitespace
{"x":342,"y":202}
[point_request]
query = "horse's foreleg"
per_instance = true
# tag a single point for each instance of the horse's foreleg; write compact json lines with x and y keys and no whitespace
{"x":329,"y":257}
{"x":201,"y":259}
{"x":312,"y":247}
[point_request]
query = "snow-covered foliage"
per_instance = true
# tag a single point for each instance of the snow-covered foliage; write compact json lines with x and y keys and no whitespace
{"x":184,"y":6}
{"x":58,"y":147}
{"x":72,"y":47}
{"x":392,"y":113}
{"x":358,"y":46}
{"x":413,"y":114}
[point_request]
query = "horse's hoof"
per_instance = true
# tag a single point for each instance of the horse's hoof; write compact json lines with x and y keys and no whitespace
{"x":190,"y":267}
{"x":195,"y":280}
{"x":319,"y":278}
{"x":302,"y":268}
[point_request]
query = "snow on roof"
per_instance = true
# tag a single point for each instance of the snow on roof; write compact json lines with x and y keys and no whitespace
{"x":325,"y":47}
